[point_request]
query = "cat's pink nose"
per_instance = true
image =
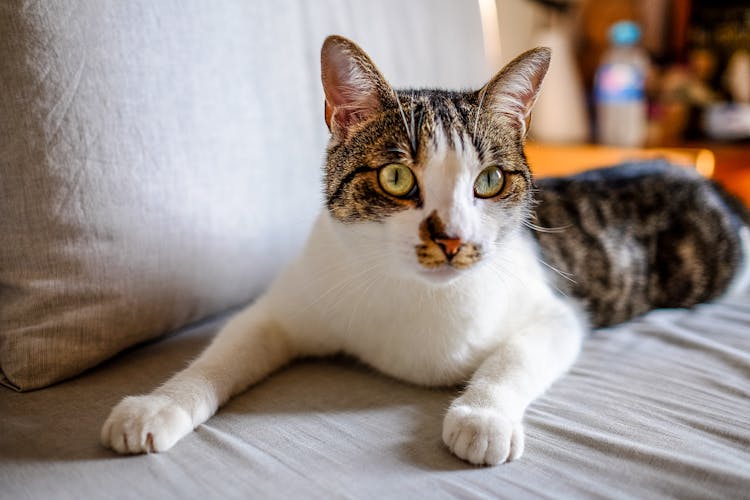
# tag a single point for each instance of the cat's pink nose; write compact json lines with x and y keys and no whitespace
{"x":450,"y":246}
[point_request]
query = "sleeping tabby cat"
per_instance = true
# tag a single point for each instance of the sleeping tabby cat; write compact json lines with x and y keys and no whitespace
{"x":436,"y":260}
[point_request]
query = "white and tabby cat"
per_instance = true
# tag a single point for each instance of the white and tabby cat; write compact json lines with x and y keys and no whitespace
{"x":425,"y":264}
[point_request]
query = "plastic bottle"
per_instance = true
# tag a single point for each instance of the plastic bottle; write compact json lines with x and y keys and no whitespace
{"x":619,"y":89}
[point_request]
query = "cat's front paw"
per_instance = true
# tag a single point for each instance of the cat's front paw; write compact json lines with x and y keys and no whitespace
{"x":145,"y":424}
{"x":482,"y":436}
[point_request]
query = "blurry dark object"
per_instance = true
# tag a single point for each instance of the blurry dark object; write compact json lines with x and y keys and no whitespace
{"x":558,"y":5}
{"x":721,"y":28}
{"x":721,"y":25}
{"x":680,"y":22}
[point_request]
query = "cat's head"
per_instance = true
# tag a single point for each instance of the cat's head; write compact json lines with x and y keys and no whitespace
{"x":426,"y":183}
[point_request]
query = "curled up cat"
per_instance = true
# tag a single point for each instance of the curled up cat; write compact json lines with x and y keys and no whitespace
{"x":438,"y":260}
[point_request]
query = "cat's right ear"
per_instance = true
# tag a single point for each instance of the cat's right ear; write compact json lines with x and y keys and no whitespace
{"x":513,"y":91}
{"x":354,"y":88}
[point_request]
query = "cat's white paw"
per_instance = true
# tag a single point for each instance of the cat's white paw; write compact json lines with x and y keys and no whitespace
{"x":145,"y":424}
{"x":482,"y":436}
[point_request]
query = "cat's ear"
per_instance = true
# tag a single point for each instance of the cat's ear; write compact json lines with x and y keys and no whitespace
{"x":515,"y":88}
{"x":354,"y":88}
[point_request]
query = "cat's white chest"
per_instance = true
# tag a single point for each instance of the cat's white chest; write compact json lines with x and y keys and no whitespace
{"x":428,"y":338}
{"x":425,"y":339}
{"x":432,"y":335}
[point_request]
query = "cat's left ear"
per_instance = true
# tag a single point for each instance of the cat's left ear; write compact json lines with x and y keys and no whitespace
{"x":354,"y":88}
{"x":515,"y":88}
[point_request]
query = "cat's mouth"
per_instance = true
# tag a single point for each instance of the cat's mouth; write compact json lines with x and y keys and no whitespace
{"x":439,"y":266}
{"x":434,"y":257}
{"x":443,"y":253}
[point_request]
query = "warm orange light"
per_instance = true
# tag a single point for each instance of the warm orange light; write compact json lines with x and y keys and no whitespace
{"x":556,"y":159}
{"x":704,"y":163}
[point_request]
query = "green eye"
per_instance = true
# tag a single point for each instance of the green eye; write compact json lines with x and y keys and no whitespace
{"x":396,"y":180}
{"x":489,"y":183}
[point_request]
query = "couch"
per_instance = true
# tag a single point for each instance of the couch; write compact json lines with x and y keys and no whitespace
{"x":161,"y":161}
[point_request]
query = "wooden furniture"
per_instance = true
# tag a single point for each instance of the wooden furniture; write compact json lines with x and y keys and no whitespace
{"x":728,"y":164}
{"x":732,"y":169}
{"x":553,"y":159}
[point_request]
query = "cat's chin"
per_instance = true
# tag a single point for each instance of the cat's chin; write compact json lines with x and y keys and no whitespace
{"x":442,"y":275}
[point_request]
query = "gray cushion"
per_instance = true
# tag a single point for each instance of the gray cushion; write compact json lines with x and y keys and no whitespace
{"x":657,"y":408}
{"x":160,"y":161}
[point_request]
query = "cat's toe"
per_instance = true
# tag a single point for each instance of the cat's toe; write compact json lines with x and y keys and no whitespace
{"x":145,"y":424}
{"x":482,"y":436}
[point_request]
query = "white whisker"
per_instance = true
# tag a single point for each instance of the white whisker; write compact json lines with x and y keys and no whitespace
{"x":541,"y":229}
{"x":563,"y":274}
{"x":362,"y":297}
{"x":403,"y":118}
{"x":341,"y":285}
{"x":505,"y":271}
{"x":479,"y":109}
{"x":413,"y":132}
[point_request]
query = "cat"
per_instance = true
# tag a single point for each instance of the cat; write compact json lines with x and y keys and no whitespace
{"x":437,"y":260}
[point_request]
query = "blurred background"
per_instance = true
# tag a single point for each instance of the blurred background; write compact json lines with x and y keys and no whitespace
{"x":669,"y":77}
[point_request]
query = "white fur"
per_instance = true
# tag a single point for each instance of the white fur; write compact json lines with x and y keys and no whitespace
{"x":359,"y":288}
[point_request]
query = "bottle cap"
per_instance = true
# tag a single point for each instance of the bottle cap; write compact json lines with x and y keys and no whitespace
{"x":624,"y":33}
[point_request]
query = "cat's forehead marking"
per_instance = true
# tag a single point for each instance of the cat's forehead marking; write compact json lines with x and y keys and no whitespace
{"x":452,"y":161}
{"x":433,"y":133}
{"x":449,"y":117}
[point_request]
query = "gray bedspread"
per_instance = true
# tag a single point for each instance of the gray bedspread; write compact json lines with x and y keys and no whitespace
{"x":659,"y":407}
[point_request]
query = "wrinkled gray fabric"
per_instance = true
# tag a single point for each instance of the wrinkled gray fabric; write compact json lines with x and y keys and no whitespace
{"x":161,"y":160}
{"x":652,"y":409}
